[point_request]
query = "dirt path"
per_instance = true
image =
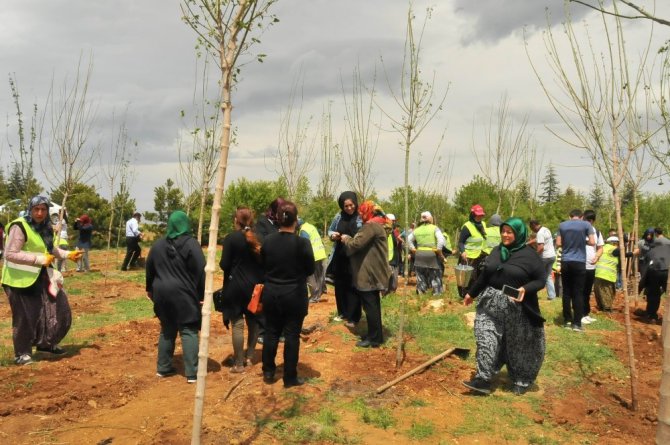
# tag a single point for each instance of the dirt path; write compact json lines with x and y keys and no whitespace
{"x":104,"y":391}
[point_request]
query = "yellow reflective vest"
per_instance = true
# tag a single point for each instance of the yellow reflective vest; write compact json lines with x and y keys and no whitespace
{"x":317,"y":243}
{"x":492,"y":239}
{"x":475,"y":242}
{"x":606,"y":265}
{"x":424,"y":237}
{"x":22,"y":275}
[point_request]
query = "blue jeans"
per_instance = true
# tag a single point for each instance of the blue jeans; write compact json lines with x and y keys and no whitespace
{"x":548,"y":263}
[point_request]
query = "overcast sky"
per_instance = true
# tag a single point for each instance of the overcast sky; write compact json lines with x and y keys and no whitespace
{"x":144,"y":60}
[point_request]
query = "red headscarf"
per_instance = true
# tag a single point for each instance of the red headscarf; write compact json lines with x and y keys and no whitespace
{"x":371,"y":212}
{"x":85,"y":219}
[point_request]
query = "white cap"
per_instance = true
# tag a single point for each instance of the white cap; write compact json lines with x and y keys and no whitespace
{"x":390,"y":216}
{"x":612,"y":239}
{"x":426,"y":216}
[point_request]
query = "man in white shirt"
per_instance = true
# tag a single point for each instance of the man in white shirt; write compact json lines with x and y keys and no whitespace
{"x":544,"y":244}
{"x":133,"y":237}
{"x":593,"y":254}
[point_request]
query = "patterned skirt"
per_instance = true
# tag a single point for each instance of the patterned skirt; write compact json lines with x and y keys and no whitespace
{"x":504,"y":335}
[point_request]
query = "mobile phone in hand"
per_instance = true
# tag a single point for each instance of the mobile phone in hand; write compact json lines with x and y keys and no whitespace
{"x":510,"y":291}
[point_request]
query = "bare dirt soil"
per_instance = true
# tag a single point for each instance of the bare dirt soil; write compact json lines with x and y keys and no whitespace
{"x":105,"y":391}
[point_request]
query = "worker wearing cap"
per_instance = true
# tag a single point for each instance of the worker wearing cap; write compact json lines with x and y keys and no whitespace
{"x":606,"y":272}
{"x":472,"y":241}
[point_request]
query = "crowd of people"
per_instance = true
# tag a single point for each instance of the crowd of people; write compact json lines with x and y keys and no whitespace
{"x":509,"y":266}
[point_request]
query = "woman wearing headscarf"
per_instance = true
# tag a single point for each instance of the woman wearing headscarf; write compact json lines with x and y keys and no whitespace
{"x":85,"y":226}
{"x":509,"y":328}
{"x":368,"y":252}
{"x":426,"y":243}
{"x":175,"y":282}
{"x":287,"y":260}
{"x":347,"y":222}
{"x":41,"y":313}
{"x":242,"y":270}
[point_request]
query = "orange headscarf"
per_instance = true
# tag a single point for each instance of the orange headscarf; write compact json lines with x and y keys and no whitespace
{"x":371,"y":212}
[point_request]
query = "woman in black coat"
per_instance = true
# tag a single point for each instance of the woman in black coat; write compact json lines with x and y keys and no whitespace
{"x":509,"y":328}
{"x":242,"y":270}
{"x":175,"y":282}
{"x":287,"y":260}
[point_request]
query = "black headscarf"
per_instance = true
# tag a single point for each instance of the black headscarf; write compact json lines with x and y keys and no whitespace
{"x":45,"y":228}
{"x":348,"y":224}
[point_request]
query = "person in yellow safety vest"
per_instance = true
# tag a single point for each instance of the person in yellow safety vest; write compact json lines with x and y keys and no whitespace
{"x":426,"y":243}
{"x":34,"y":289}
{"x":471,"y":243}
{"x":62,"y":244}
{"x":556,"y":267}
{"x":606,"y":273}
{"x":317,"y":281}
{"x":492,"y":233}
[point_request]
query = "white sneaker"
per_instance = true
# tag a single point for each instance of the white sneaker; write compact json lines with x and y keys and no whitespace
{"x":585,"y":320}
{"x":591,"y":319}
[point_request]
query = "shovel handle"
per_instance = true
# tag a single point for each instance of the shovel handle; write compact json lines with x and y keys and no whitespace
{"x":415,"y":370}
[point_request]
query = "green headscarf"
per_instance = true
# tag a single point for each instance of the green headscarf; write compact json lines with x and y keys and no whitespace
{"x":178,"y":225}
{"x":520,"y":235}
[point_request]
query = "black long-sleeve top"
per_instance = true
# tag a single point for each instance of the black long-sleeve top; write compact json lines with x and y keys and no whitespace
{"x":287,"y":260}
{"x":175,"y":276}
{"x":242,"y":270}
{"x":522,"y":269}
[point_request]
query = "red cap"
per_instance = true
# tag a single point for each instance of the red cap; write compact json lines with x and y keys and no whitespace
{"x":477,"y":210}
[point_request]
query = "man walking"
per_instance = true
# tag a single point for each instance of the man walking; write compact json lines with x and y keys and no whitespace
{"x":573,"y":236}
{"x":133,"y":237}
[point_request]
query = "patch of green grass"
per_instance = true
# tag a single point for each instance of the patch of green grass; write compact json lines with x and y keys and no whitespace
{"x":421,"y":430}
{"x":296,"y":406}
{"x":123,"y":310}
{"x":417,"y":403}
{"x":379,"y":417}
{"x":541,"y":440}
{"x":320,"y":427}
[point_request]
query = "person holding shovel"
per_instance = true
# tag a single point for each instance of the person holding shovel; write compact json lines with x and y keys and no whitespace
{"x":509,"y":328}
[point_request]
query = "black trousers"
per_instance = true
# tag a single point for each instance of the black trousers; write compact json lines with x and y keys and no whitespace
{"x":573,"y":274}
{"x":133,"y":252}
{"x":348,"y":303}
{"x":589,"y":278}
{"x":372,"y":305}
{"x":654,"y":287}
{"x":290,"y":324}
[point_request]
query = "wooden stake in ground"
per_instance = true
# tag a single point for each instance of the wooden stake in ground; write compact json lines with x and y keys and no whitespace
{"x":422,"y":366}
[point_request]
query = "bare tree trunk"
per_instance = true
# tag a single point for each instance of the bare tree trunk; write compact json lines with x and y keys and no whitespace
{"x":629,"y":329}
{"x":663,"y":429}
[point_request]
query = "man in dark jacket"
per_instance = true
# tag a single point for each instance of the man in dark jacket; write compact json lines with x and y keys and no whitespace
{"x":656,"y":279}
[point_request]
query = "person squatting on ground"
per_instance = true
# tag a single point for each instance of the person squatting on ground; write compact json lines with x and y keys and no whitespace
{"x":41,"y":313}
{"x":175,"y":283}
{"x":368,"y":251}
{"x":471,"y":242}
{"x":85,"y":226}
{"x":242,"y":270}
{"x":544,"y":245}
{"x":508,"y":330}
{"x":346,"y":222}
{"x":287,"y":260}
{"x":133,"y":237}
{"x":604,"y":285}
{"x":593,"y":254}
{"x":317,"y":281}
{"x":573,"y":237}
{"x":425,"y":244}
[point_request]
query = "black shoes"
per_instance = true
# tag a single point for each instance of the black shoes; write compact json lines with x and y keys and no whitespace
{"x":299,"y":381}
{"x":367,"y":344}
{"x":268,"y":377}
{"x":479,"y":385}
{"x":55,"y":350}
{"x":520,"y":390}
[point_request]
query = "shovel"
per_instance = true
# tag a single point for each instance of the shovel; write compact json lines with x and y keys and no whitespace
{"x":460,"y":352}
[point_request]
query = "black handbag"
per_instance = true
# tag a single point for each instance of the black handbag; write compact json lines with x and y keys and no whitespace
{"x":217,"y":297}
